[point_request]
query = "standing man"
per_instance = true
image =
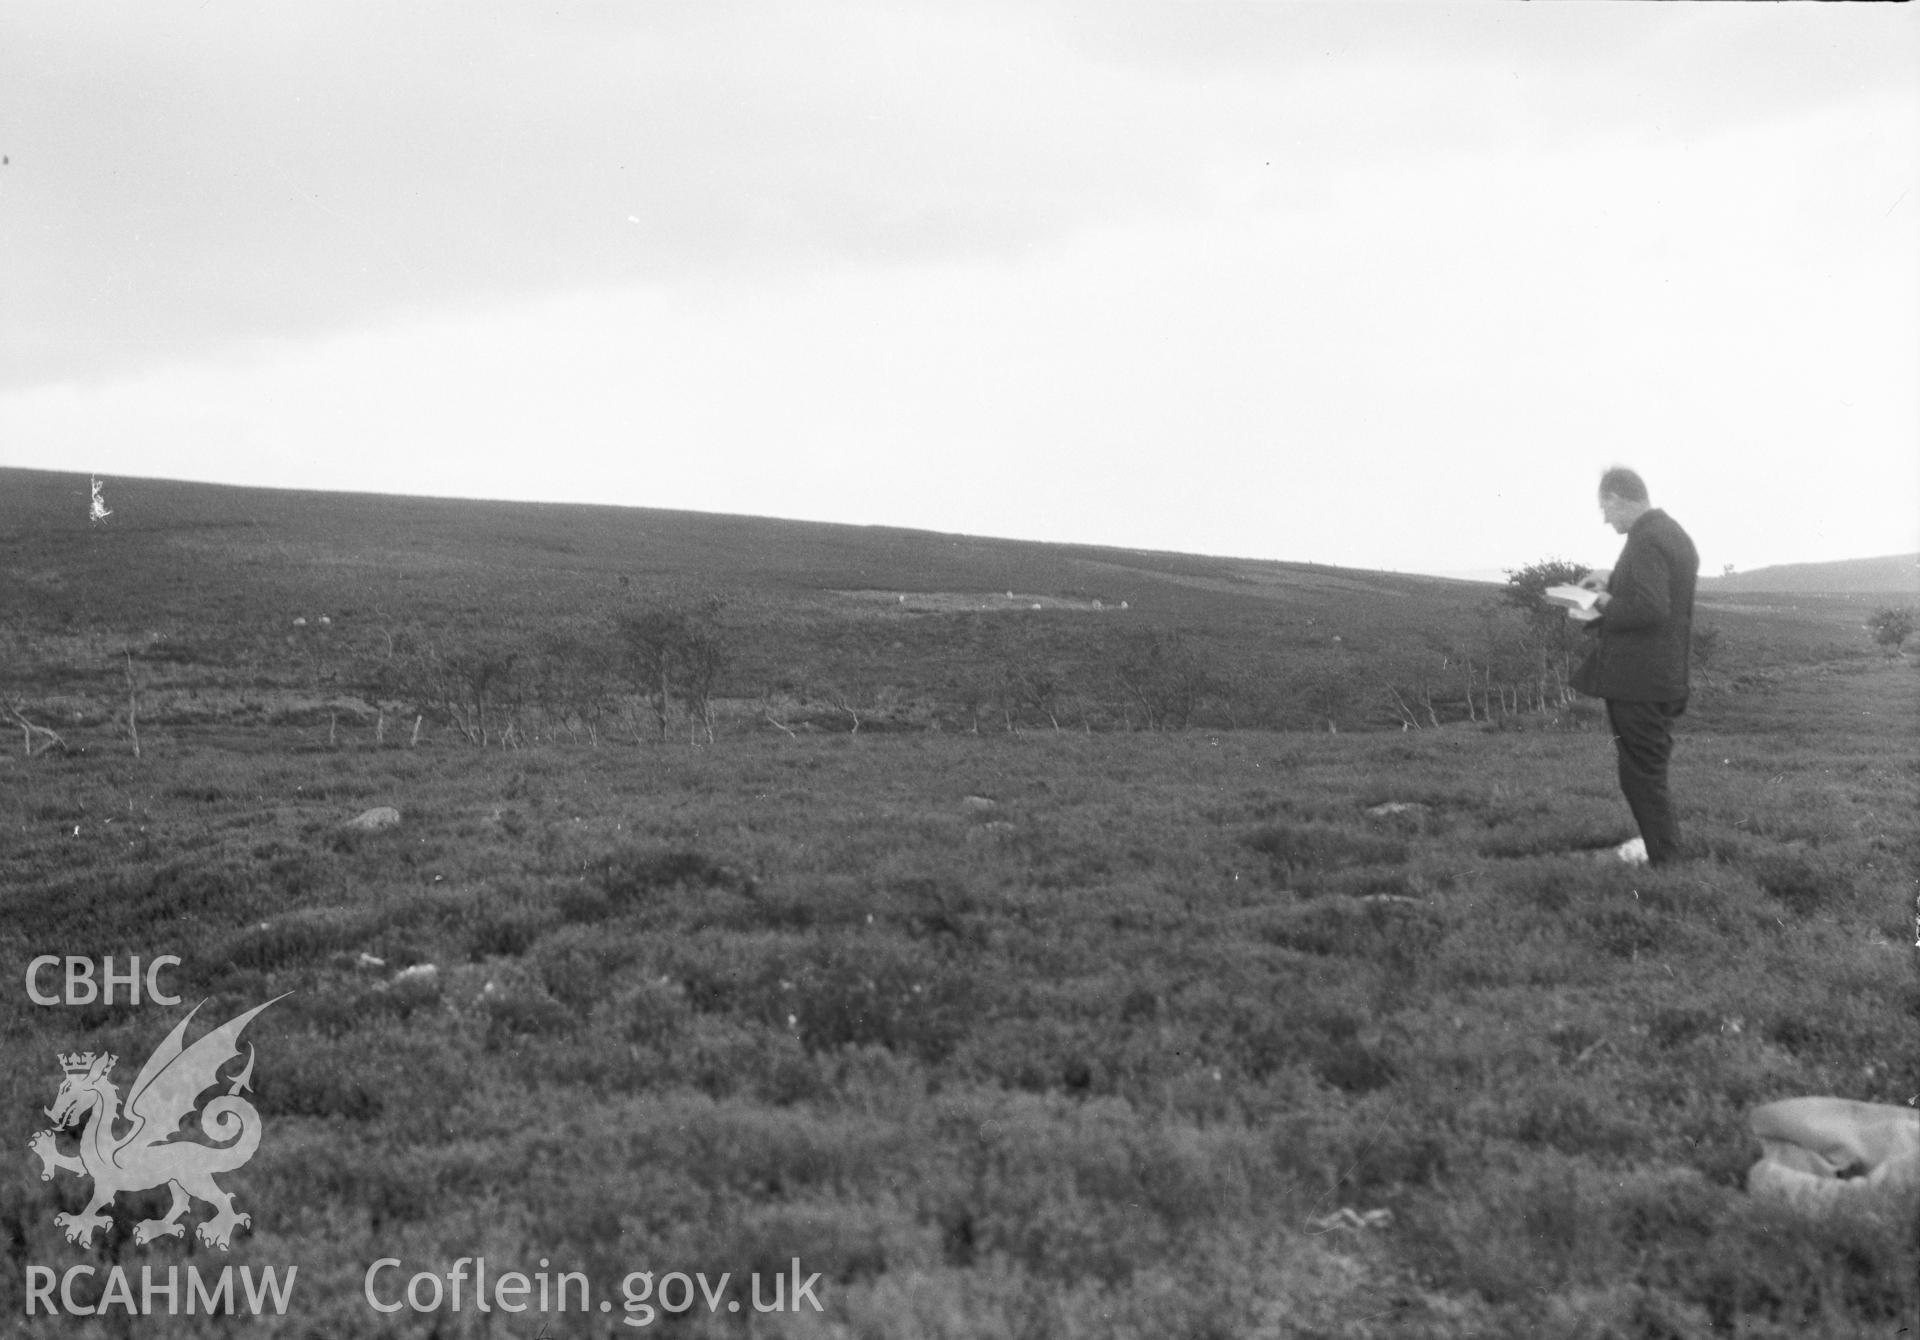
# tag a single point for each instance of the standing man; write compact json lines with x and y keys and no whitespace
{"x":1639,"y":664}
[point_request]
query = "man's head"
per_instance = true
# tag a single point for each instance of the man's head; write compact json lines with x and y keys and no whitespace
{"x":1623,"y":498}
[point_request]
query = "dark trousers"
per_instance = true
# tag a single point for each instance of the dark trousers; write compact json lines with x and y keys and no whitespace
{"x":1643,"y":738}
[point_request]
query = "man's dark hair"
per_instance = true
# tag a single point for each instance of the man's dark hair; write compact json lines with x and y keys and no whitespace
{"x":1624,"y":484}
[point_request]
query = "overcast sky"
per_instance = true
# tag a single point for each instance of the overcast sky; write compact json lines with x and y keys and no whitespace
{"x":1377,"y":285}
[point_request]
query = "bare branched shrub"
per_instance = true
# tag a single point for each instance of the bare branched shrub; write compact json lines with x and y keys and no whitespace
{"x":1029,"y":685}
{"x":1162,"y":677}
{"x":572,"y":679}
{"x":473,"y":685}
{"x":39,"y":738}
{"x":674,"y":653}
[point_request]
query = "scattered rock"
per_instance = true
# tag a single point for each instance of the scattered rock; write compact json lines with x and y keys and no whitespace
{"x":368,"y":961}
{"x":419,"y":972}
{"x":1346,"y":1217}
{"x":979,"y":805}
{"x":1401,"y":816}
{"x":375,"y":819}
{"x":994,"y":830}
{"x":300,"y":623}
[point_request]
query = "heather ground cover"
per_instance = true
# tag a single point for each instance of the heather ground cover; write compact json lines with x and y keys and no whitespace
{"x":1032,"y":1034}
{"x":935,"y":969}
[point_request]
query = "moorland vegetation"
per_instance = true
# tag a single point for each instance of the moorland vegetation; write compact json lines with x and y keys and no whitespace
{"x":767,"y":891}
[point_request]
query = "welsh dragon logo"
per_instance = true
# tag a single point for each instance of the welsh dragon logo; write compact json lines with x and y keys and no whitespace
{"x":154,"y":1149}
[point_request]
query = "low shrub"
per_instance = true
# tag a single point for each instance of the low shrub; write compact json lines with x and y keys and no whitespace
{"x":1358,"y":929}
{"x":1624,"y":930}
{"x":1674,"y":1026}
{"x":1293,"y":848}
{"x":577,"y":967}
{"x":1806,"y":882}
{"x":1578,"y":829}
{"x":334,"y":1013}
{"x":1572,"y":1118}
{"x":517,"y":1014}
{"x":656,"y":1012}
{"x":931,"y":907}
{"x":1359,"y":1069}
{"x":505,"y":933}
{"x":299,"y":938}
{"x":1326,"y":1041}
{"x":1808,"y":1276}
{"x":637,"y":876}
{"x":822,"y":902}
{"x":1523,"y":1233}
{"x":1039,"y":1056}
{"x":891,"y":997}
{"x":317,"y":1080}
{"x":200,"y":887}
{"x":584,"y":904}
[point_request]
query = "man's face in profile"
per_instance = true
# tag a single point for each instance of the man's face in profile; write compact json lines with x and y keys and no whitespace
{"x":1617,"y":512}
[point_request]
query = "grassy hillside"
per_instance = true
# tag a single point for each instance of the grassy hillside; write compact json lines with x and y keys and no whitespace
{"x":194,"y":591}
{"x":360,"y":541}
{"x":1889,"y":579}
{"x":1026,"y":1032}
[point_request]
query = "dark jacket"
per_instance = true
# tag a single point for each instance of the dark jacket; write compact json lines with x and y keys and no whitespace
{"x":1647,"y":629}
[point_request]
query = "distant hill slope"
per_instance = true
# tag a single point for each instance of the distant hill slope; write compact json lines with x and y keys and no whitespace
{"x":481,"y":556}
{"x":1893,"y":575}
{"x":213,"y":590}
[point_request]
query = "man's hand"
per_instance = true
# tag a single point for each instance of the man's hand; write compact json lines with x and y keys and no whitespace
{"x":1597,"y":583}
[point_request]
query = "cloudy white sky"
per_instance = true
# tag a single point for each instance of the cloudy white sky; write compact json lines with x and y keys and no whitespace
{"x":1378,"y":285}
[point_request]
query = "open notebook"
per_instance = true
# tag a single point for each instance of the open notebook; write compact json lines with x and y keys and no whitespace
{"x":1577,"y":600}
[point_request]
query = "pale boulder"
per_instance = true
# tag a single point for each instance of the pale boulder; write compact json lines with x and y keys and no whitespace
{"x":1818,"y":1153}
